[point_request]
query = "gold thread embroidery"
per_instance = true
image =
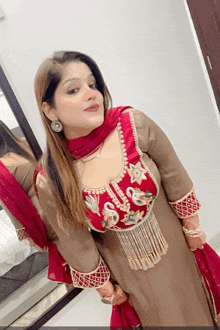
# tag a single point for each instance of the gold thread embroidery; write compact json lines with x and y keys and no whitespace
{"x":93,"y":203}
{"x":136,"y":173}
{"x":143,"y":245}
{"x":111,"y":217}
{"x":95,"y":279}
{"x":140,"y":152}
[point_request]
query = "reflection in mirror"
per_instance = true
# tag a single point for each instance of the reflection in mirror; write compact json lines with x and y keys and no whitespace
{"x":23,"y":264}
{"x":19,"y":260}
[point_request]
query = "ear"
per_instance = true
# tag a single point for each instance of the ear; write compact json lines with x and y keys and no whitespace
{"x":49,"y":111}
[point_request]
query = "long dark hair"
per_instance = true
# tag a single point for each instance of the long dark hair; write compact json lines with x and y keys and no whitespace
{"x":9,"y":142}
{"x":60,"y":171}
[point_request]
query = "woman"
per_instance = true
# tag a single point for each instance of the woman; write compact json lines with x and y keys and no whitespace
{"x":17,"y":164}
{"x":113,"y":190}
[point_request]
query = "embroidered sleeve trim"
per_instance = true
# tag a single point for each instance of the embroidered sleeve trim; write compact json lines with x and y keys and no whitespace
{"x":22,"y":234}
{"x":186,"y":206}
{"x":95,"y":279}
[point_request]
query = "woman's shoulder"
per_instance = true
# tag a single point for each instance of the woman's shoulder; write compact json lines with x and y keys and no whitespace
{"x":140,"y":118}
{"x":143,"y":125}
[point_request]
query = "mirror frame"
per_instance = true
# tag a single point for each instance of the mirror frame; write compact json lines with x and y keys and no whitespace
{"x":19,"y":115}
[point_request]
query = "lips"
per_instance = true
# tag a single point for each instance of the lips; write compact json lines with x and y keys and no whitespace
{"x":92,"y":108}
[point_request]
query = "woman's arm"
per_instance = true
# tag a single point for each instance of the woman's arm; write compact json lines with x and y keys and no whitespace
{"x":175,"y":180}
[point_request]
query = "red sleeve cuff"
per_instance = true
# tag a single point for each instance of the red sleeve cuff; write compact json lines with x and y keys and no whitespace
{"x":94,"y":279}
{"x":187,"y":206}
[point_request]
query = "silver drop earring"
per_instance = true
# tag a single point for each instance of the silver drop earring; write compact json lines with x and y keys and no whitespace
{"x":56,"y":126}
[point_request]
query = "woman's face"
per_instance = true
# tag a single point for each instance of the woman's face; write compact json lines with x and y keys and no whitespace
{"x":77,"y":102}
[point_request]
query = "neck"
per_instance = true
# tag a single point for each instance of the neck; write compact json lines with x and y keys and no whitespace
{"x":76,"y":133}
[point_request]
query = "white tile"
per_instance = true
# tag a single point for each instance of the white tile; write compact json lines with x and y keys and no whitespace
{"x":84,"y":310}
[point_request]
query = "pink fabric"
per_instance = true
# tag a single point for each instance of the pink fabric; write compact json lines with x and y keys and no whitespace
{"x":106,"y":207}
{"x":209,"y":265}
{"x":123,"y":315}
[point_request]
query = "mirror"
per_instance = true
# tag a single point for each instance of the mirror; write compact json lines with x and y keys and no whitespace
{"x":23,"y":270}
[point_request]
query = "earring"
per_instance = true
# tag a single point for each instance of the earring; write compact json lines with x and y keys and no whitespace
{"x":56,"y":126}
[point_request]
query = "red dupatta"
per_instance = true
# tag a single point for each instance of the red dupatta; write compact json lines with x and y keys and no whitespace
{"x":84,"y":145}
{"x":19,"y":204}
{"x":209,"y":265}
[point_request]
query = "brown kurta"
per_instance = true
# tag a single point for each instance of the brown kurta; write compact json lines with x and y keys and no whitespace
{"x":171,"y":292}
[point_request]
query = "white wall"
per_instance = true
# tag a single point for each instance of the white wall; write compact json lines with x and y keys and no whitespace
{"x":149,"y":59}
{"x":6,"y":115}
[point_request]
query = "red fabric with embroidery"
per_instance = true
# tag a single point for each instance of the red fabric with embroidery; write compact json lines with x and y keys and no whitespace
{"x":127,"y":199}
{"x":209,"y":265}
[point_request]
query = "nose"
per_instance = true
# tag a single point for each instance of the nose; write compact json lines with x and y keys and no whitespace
{"x":90,"y":93}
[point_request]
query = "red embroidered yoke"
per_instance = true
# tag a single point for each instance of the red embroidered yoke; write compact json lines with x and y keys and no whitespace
{"x":128,"y":199}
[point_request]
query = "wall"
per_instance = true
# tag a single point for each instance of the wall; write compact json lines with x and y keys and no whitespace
{"x":149,"y":58}
{"x":6,"y":115}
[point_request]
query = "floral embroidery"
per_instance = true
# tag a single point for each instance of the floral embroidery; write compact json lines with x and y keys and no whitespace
{"x":111,"y":217}
{"x":132,"y":218}
{"x":93,"y":203}
{"x":140,"y":197}
{"x":136,"y":173}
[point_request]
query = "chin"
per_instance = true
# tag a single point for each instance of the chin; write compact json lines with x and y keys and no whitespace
{"x":97,"y":121}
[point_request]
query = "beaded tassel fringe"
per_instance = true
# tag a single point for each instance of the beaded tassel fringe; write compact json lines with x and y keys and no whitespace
{"x":144,"y":245}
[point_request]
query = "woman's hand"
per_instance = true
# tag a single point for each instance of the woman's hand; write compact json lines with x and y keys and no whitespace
{"x":197,"y":241}
{"x":194,"y":240}
{"x":109,"y":289}
{"x":120,"y":296}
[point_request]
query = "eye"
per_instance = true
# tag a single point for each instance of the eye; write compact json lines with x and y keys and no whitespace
{"x":93,"y":85}
{"x":73,"y":91}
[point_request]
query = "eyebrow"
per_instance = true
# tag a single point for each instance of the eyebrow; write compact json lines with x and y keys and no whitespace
{"x":91,"y":74}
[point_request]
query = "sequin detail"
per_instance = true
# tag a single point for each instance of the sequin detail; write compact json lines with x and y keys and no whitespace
{"x":143,"y":245}
{"x":187,"y":206}
{"x":140,"y":197}
{"x":94,"y":279}
{"x":93,"y":203}
{"x":137,"y":173}
{"x":111,"y":217}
